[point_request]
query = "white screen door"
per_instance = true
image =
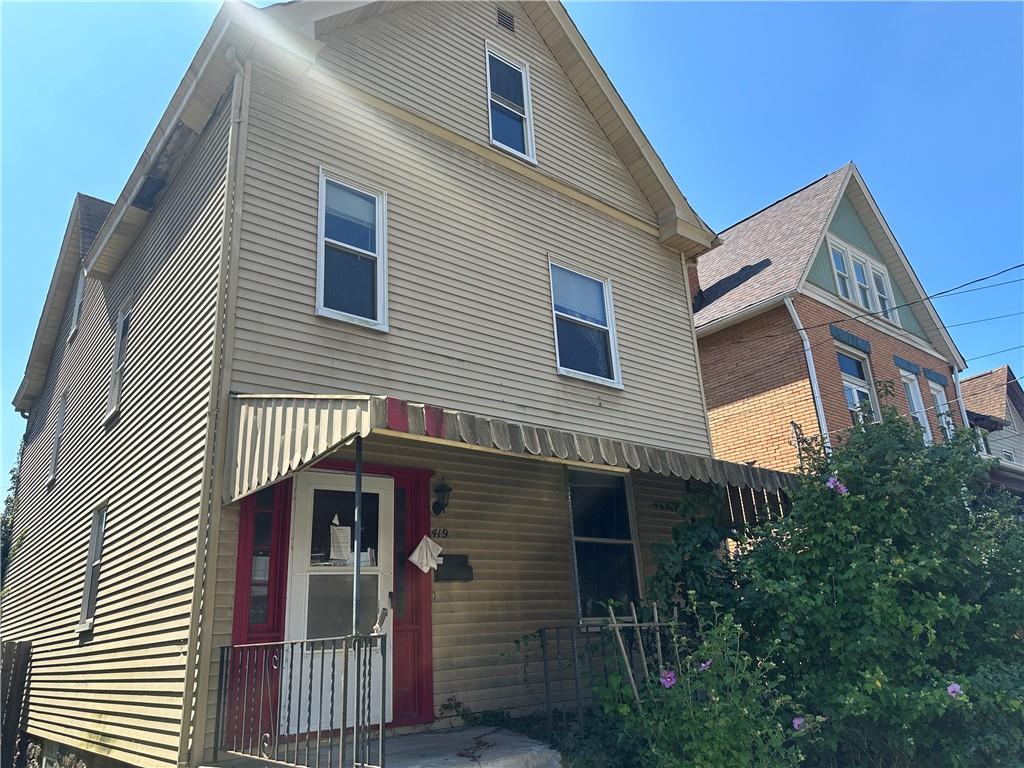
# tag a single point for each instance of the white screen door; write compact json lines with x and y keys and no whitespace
{"x":321,"y":565}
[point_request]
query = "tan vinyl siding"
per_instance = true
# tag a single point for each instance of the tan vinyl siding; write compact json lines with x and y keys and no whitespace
{"x":429,"y":58}
{"x":470,"y":307}
{"x":119,"y":691}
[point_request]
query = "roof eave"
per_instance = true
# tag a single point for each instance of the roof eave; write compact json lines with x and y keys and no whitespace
{"x":749,"y":311}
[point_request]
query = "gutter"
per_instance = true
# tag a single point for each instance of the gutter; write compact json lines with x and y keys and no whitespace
{"x":960,"y":396}
{"x":738,"y":317}
{"x":819,"y":408}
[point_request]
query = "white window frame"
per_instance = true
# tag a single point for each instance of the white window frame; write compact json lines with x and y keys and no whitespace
{"x":380,"y":323}
{"x":122,"y":332}
{"x":530,"y":155}
{"x":58,"y":434}
{"x":912,"y":390}
{"x":867,"y":386}
{"x":1007,"y":455}
{"x":92,"y":567}
{"x":942,"y":411}
{"x":613,"y":340}
{"x":78,"y":299}
{"x":872,"y":267}
{"x":634,"y":539}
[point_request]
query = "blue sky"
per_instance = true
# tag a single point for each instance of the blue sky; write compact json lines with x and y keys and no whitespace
{"x":744,"y":102}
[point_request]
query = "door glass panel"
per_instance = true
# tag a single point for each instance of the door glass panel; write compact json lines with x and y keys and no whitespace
{"x":401,"y":553}
{"x":329,"y":607}
{"x":332,"y":542}
{"x":259,"y":582}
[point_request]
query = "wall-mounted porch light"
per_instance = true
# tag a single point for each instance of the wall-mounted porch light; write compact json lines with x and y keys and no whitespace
{"x":442,"y":491}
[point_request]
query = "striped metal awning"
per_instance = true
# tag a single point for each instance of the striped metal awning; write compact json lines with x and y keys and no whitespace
{"x":274,"y":436}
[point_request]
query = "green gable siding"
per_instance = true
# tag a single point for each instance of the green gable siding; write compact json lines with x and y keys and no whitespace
{"x":847,"y":226}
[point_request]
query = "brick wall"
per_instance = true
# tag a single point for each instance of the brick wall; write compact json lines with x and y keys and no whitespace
{"x":883,"y":348}
{"x":755,"y":387}
{"x":756,"y":382}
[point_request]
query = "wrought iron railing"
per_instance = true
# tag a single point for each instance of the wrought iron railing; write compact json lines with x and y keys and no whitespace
{"x":311,"y":703}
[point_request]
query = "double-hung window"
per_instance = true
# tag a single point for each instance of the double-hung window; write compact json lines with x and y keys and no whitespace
{"x":604,"y":544}
{"x":913,"y":392}
{"x":117,"y":365}
{"x":509,"y":112}
{"x":863,"y":281}
{"x":942,"y":412}
{"x":58,"y":434}
{"x":92,"y":569}
{"x":352,"y":273}
{"x":585,"y":343}
{"x":857,"y":387}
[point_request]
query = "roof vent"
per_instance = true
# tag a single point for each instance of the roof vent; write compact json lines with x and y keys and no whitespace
{"x":506,"y":20}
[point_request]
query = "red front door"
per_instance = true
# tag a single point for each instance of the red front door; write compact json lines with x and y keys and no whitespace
{"x":261,"y":583}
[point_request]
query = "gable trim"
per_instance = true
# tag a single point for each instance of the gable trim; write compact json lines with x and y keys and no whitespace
{"x":802,"y":283}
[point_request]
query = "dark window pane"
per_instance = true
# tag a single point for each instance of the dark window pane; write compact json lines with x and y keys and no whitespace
{"x":599,"y":508}
{"x":329,"y":606}
{"x":507,"y":82}
{"x":402,"y":552}
{"x":508,"y":128}
{"x":606,"y":572}
{"x":336,"y":510}
{"x":351,"y":217}
{"x":584,"y":349}
{"x":851,"y":366}
{"x":259,"y":604}
{"x":350,"y":282}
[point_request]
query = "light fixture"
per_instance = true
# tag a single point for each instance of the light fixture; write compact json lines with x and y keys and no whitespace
{"x":442,"y":491}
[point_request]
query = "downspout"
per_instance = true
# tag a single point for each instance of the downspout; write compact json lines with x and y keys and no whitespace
{"x":819,"y":409}
{"x":959,"y":396}
{"x":193,"y":735}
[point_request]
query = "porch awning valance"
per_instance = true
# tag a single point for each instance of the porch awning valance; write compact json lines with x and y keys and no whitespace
{"x":273,"y":436}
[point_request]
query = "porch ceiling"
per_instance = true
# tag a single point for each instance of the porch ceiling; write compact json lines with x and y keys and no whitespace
{"x":273,"y":436}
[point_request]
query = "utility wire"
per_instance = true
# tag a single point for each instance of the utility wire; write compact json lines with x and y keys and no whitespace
{"x":997,"y":352}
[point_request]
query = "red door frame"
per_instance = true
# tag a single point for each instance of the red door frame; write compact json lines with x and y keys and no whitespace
{"x":416,"y":484}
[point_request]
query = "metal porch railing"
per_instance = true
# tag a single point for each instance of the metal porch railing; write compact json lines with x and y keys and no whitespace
{"x":309,"y":703}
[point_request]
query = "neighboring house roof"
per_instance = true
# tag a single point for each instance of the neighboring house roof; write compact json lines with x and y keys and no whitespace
{"x":87,"y":216}
{"x":766,"y":257}
{"x":988,"y":394}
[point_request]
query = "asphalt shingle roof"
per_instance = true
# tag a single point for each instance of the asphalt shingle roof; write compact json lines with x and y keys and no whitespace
{"x":986,"y":393}
{"x":764,"y":255}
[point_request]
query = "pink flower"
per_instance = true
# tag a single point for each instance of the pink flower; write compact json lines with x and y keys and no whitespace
{"x":954,"y":690}
{"x":798,"y":723}
{"x":836,"y":485}
{"x":706,"y":665}
{"x":668,"y":678}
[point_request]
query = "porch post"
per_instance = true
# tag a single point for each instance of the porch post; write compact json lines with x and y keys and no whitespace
{"x":358,"y":525}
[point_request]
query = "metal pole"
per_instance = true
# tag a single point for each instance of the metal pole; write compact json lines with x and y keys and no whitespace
{"x":357,"y":523}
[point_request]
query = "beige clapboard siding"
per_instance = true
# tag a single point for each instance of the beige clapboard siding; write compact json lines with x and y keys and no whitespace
{"x":120,"y":693}
{"x":429,"y":58}
{"x":468,"y":280}
{"x":510,"y":516}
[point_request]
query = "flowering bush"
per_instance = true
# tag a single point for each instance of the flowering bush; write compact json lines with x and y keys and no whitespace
{"x":712,"y":705}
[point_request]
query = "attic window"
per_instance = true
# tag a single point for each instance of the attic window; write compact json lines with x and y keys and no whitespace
{"x":511,"y":121}
{"x":506,"y":20}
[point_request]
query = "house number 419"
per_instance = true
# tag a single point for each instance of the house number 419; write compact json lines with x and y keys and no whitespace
{"x":439,"y":533}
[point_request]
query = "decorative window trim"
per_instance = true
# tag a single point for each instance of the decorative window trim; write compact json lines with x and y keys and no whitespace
{"x":381,"y":255}
{"x":78,"y":300}
{"x":915,"y":400}
{"x":872,"y":267}
{"x":530,"y":155}
{"x":944,"y":417}
{"x":867,"y":385}
{"x":122,"y":332}
{"x":613,"y":340}
{"x":58,"y":434}
{"x":634,"y":539}
{"x":94,"y":558}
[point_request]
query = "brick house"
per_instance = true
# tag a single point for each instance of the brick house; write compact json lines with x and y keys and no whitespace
{"x":801,"y":312}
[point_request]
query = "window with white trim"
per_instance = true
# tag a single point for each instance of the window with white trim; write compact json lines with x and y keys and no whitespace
{"x":860,"y":399}
{"x":942,"y":412}
{"x":604,"y":541}
{"x":92,"y":569}
{"x":912,"y":390}
{"x":510,"y":115}
{"x":117,"y":365}
{"x":351,"y":282}
{"x":78,"y":299}
{"x":58,"y":434}
{"x":862,"y":280}
{"x":1008,"y":455}
{"x":585,"y":343}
